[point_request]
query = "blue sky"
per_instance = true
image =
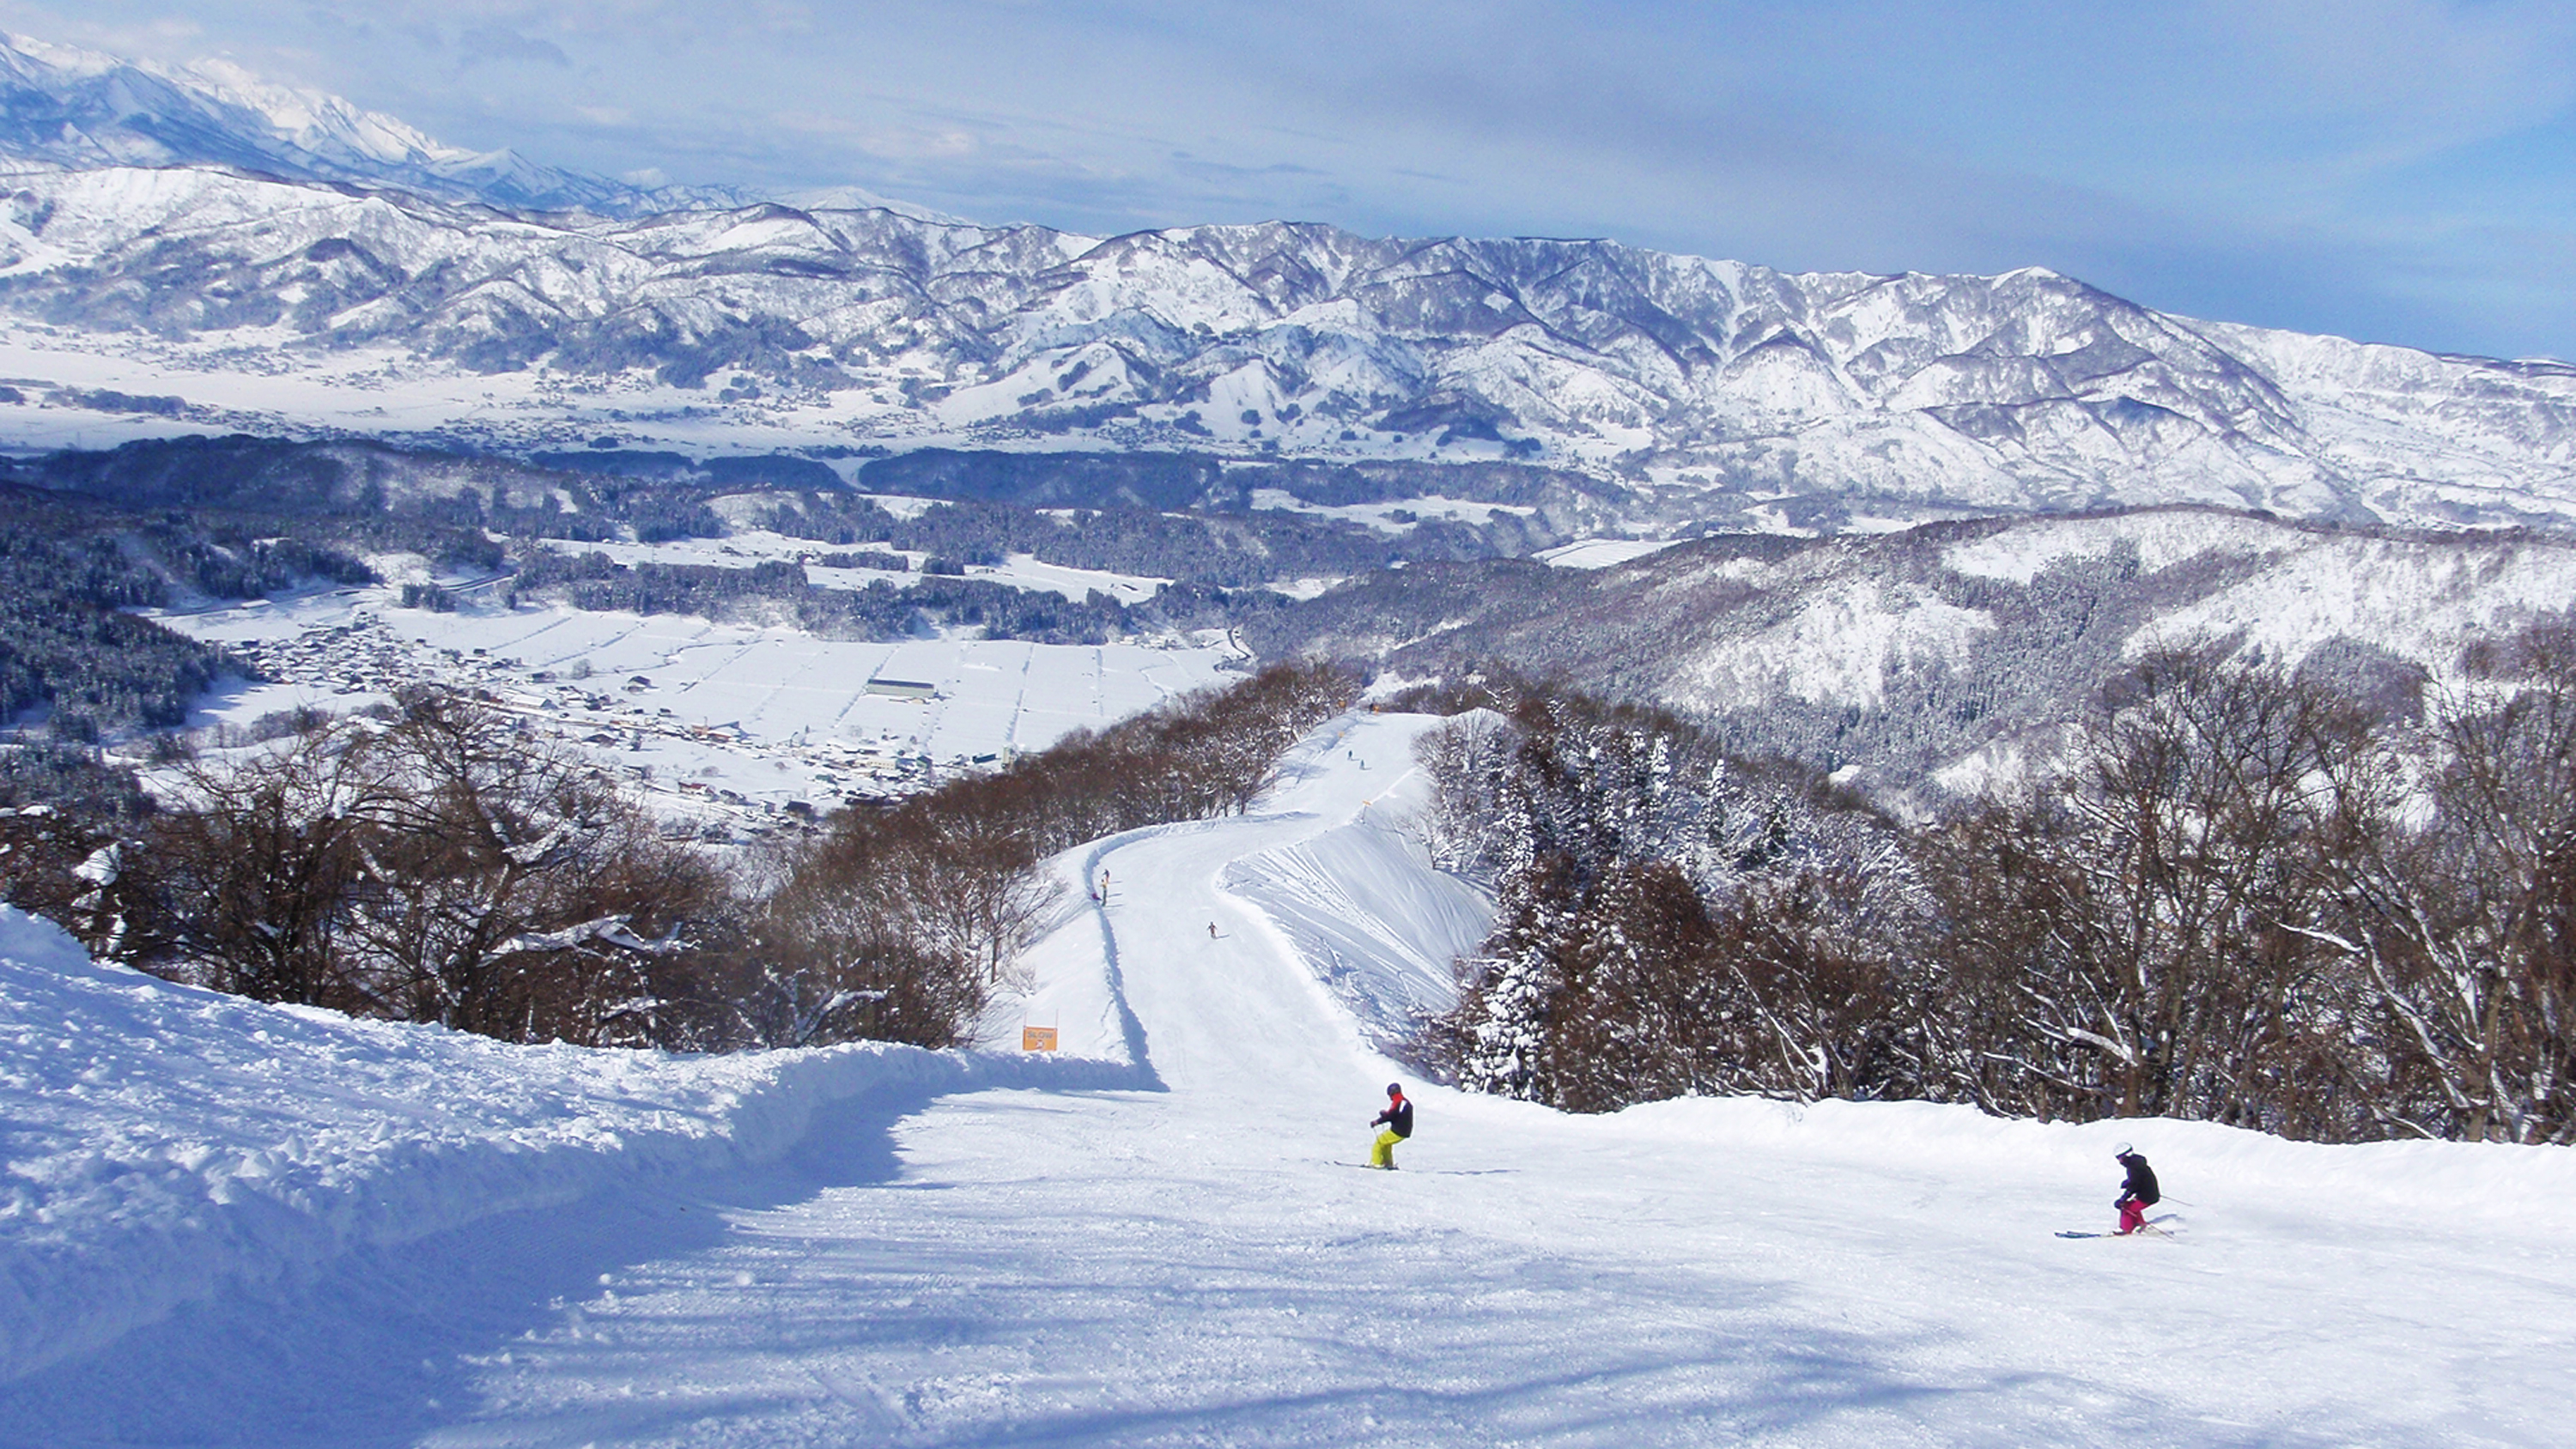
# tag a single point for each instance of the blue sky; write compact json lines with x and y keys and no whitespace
{"x":2396,"y":170}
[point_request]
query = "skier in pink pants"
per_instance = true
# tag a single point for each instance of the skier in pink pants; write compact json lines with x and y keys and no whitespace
{"x":2137,"y":1193}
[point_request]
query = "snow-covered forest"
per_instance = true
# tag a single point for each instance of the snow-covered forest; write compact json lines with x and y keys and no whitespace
{"x":2250,"y":898}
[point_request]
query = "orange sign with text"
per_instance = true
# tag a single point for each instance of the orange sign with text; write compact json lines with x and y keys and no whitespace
{"x":1037,"y":1038}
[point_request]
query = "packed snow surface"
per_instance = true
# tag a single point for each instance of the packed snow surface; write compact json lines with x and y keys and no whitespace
{"x":1165,"y":1246}
{"x":165,"y":1143}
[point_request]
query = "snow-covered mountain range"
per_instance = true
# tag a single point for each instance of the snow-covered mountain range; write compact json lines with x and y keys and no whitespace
{"x":372,"y":280}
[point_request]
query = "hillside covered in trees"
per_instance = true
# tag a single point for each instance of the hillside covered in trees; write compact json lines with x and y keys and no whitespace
{"x":2251,"y":898}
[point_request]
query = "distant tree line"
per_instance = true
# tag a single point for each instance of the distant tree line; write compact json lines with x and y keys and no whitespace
{"x":65,"y":579}
{"x":308,"y":483}
{"x":439,"y":861}
{"x":879,"y":559}
{"x":2254,"y":898}
{"x":226,"y":562}
{"x":1161,"y":516}
{"x":607,"y":511}
{"x":1232,"y":549}
{"x":240,"y":516}
{"x":777,"y":590}
{"x":304,"y":489}
{"x":71,"y":565}
{"x":1173,"y":482}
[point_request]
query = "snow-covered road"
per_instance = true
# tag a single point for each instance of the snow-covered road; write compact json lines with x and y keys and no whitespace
{"x":1183,"y":1262}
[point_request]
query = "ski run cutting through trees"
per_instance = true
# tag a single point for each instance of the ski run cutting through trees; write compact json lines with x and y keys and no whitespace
{"x":228,"y":1223}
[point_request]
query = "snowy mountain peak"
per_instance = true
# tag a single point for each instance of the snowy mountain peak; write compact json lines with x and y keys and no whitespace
{"x":129,"y":109}
{"x":83,"y":108}
{"x":318,"y":122}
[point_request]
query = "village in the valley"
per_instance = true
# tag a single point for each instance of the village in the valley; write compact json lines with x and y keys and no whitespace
{"x":729,"y":733}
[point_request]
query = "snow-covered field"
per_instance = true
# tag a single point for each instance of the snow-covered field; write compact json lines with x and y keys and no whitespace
{"x":1601,"y":553}
{"x":766,"y":715}
{"x":1161,"y":1249}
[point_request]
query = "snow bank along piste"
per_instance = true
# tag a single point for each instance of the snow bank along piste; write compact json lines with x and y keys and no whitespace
{"x":162,"y":1143}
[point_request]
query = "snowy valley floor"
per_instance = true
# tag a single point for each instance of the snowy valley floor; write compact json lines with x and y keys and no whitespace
{"x":1167,"y":1253}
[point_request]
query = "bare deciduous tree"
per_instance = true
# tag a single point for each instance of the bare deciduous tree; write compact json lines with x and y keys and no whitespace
{"x":2466,"y":922}
{"x":510,"y":888}
{"x":259,"y":868}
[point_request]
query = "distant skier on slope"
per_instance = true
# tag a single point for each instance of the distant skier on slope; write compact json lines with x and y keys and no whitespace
{"x":1397,"y":1119}
{"x":2137,"y":1193}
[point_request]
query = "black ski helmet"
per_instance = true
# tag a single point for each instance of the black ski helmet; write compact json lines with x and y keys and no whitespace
{"x":1395,"y":1089}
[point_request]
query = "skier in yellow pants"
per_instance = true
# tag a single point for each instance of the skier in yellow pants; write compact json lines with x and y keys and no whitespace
{"x":1397,"y":1119}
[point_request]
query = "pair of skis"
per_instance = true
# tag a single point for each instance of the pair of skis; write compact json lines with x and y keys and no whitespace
{"x":2145,"y":1230}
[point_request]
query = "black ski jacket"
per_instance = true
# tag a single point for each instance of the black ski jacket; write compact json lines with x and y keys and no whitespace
{"x":1398,"y":1116}
{"x":2141,"y":1183}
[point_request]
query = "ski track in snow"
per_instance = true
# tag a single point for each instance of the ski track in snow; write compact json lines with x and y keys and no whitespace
{"x":1157,"y":1249}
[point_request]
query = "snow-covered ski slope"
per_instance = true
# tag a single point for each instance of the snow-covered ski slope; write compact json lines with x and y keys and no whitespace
{"x":1158,"y":1249}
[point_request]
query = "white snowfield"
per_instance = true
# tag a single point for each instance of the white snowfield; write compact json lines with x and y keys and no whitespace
{"x":447,"y":1242}
{"x":694,"y":711}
